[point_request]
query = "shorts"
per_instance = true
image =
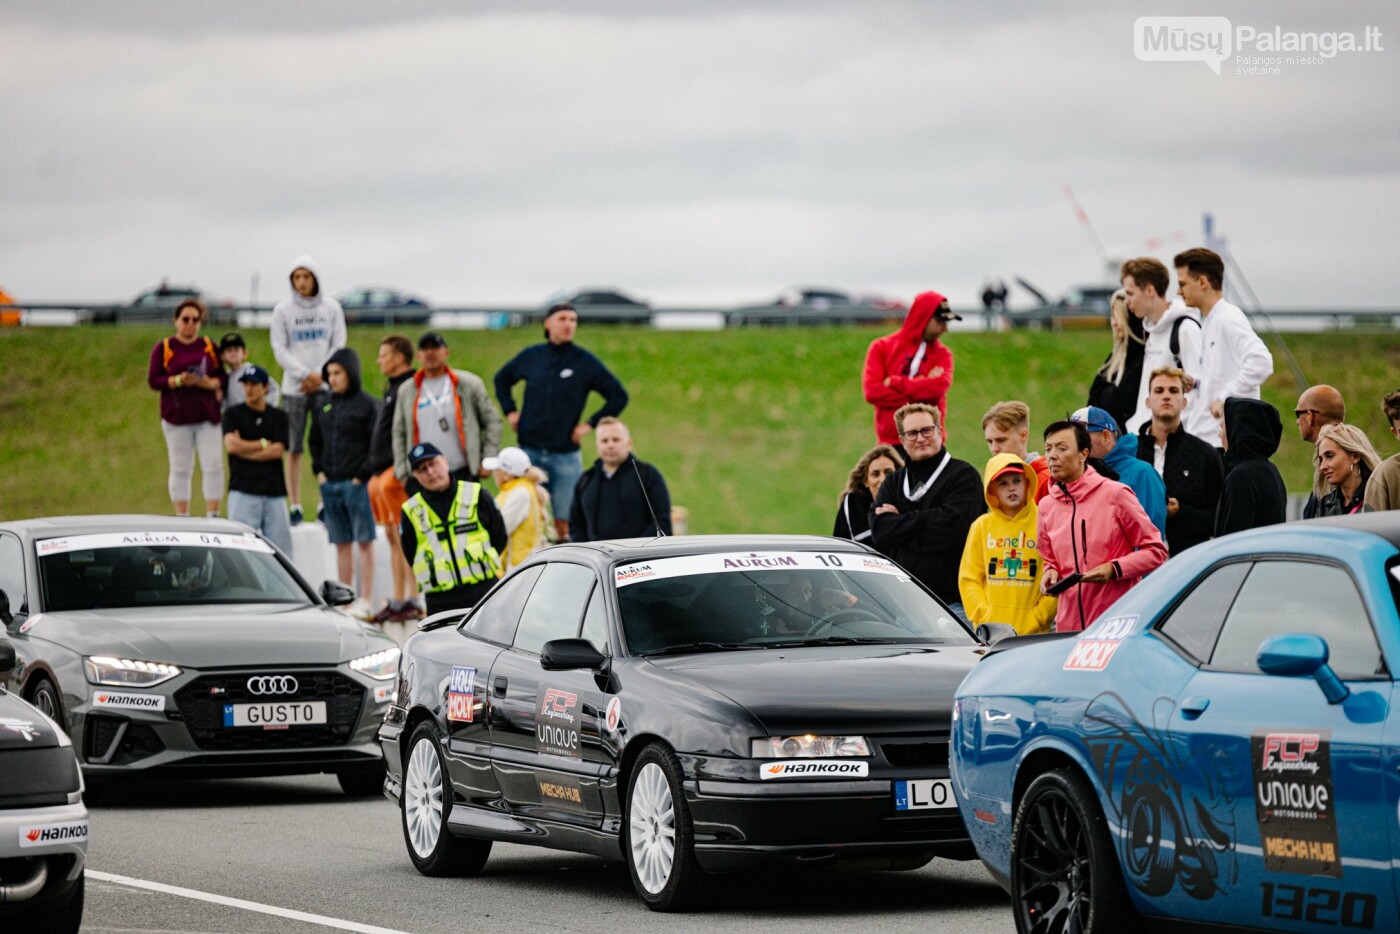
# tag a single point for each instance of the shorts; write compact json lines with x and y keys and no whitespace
{"x":564,"y":469}
{"x":296,"y":408}
{"x":347,"y":515}
{"x":386,"y":498}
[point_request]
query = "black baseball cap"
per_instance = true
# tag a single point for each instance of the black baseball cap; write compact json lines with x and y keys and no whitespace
{"x":231,"y":339}
{"x":432,"y":339}
{"x":252,"y":373}
{"x":944,"y":313}
{"x":422,"y":453}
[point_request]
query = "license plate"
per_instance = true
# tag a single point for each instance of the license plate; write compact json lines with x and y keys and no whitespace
{"x":297,"y":713}
{"x":925,"y":794}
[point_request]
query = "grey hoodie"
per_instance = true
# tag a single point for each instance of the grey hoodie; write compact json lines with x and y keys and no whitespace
{"x":305,"y":331}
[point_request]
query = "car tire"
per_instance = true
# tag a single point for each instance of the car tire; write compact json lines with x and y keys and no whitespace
{"x":658,"y":839}
{"x":45,"y":695}
{"x":362,"y":782}
{"x":1064,"y":871}
{"x":425,"y":803}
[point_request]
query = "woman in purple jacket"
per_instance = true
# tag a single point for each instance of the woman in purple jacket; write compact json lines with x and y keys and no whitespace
{"x":186,"y":371}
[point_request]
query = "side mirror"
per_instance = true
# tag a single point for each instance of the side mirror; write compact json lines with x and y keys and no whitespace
{"x":7,"y":657}
{"x":1300,"y":654}
{"x":337,"y":594}
{"x":5,"y":616}
{"x":571,"y":654}
{"x":992,"y":633}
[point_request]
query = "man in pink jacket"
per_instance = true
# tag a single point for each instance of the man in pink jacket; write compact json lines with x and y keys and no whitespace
{"x":1091,"y":527}
{"x":910,"y":365}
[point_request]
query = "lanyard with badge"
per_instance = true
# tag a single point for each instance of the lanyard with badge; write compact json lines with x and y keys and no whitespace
{"x":438,"y":402}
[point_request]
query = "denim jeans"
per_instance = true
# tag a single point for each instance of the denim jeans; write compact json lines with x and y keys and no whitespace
{"x":347,"y":516}
{"x":564,"y":469}
{"x":267,"y":514}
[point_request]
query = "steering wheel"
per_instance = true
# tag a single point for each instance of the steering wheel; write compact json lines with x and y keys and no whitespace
{"x":845,"y":614}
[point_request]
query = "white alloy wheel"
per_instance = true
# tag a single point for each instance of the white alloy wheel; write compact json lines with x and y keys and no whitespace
{"x":653,"y":828}
{"x":422,"y":798}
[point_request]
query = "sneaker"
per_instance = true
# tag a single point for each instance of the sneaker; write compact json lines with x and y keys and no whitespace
{"x":386,"y":614}
{"x":296,"y":514}
{"x":359,"y":609}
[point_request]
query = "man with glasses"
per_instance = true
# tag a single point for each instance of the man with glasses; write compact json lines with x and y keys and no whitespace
{"x":1383,"y":489}
{"x":923,"y":510}
{"x":1318,"y":406}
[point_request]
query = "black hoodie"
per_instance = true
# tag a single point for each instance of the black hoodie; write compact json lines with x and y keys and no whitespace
{"x":1254,"y":494}
{"x":342,"y":428}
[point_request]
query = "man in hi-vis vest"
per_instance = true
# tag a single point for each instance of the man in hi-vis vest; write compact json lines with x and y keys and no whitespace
{"x":452,"y":534}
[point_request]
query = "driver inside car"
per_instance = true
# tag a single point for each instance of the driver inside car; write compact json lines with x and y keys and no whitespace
{"x":792,"y":606}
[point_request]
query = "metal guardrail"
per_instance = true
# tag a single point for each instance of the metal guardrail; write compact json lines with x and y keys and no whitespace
{"x":498,"y":317}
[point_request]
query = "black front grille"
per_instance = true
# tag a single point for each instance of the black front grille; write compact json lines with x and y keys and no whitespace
{"x":920,"y":754}
{"x":99,"y":733}
{"x":201,"y":705}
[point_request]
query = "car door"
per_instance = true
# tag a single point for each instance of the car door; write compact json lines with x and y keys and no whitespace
{"x":545,"y":726}
{"x":1283,"y":819}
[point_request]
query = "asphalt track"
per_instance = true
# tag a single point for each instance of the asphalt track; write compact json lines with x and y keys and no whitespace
{"x":296,"y":855}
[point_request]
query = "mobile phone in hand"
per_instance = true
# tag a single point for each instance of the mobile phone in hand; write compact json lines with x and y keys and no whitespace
{"x":1063,"y":584}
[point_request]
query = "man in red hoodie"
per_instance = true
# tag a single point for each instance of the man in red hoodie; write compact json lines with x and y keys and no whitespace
{"x":1092,"y":527}
{"x":910,"y":365}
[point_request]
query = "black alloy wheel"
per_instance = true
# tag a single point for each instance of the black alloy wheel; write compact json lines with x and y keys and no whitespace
{"x":1065,"y":877}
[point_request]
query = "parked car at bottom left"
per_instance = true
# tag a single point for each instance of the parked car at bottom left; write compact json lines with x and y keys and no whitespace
{"x":173,"y":646}
{"x":43,"y":821}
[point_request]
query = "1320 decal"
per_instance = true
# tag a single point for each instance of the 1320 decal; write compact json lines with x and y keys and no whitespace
{"x":1318,"y":906}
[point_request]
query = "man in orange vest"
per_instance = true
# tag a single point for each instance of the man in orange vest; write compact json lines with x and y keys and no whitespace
{"x":447,"y":408}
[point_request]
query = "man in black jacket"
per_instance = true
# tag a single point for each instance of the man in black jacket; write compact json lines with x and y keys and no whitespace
{"x":619,"y":496}
{"x":1189,"y":467}
{"x":923,"y":510}
{"x":558,"y":377}
{"x":1254,"y":494}
{"x":386,"y":493}
{"x":341,"y":430}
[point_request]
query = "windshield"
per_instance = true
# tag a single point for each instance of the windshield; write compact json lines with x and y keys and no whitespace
{"x":718,"y":602}
{"x":125,"y":569}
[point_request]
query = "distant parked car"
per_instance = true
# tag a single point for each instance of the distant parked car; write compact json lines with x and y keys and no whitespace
{"x":602,"y":304}
{"x":822,"y":299}
{"x":155,"y":305}
{"x":374,"y":305}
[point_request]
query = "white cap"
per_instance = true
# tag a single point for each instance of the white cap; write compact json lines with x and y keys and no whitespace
{"x":512,"y":460}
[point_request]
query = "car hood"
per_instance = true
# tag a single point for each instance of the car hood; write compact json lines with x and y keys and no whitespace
{"x":23,"y":727}
{"x":837,"y":689}
{"x":216,"y":636}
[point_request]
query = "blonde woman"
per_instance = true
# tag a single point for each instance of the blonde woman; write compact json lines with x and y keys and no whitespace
{"x":1116,"y":384}
{"x":1345,"y":460}
{"x":853,"y":516}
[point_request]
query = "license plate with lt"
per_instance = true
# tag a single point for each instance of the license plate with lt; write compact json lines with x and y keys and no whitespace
{"x":925,"y":794}
{"x":282,"y":714}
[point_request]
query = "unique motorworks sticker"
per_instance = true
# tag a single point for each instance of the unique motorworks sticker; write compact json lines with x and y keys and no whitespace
{"x":1294,"y":803}
{"x":557,"y":724}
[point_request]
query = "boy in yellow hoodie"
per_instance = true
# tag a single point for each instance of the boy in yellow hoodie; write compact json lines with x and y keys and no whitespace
{"x":999,"y":579}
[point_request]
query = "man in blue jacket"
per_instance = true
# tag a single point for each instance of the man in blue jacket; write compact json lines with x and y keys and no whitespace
{"x":1121,"y":455}
{"x":558,"y":377}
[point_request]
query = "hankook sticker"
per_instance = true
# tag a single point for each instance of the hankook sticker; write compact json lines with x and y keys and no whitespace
{"x":46,"y":834}
{"x":814,"y":768}
{"x":127,"y":701}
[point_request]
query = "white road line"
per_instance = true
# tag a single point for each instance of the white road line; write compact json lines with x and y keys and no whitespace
{"x":241,"y":903}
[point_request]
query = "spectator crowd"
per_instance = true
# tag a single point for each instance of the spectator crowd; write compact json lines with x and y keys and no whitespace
{"x":1173,"y":447}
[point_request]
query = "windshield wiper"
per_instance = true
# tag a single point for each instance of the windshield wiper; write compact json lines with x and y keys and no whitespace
{"x":685,"y":647}
{"x":833,"y":640}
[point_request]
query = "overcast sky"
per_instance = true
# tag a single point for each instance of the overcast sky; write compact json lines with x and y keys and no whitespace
{"x":699,"y":152}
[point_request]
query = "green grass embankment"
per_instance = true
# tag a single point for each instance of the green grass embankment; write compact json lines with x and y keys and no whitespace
{"x":754,"y":429}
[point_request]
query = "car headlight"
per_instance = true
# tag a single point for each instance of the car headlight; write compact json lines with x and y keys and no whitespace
{"x":381,"y":666}
{"x":809,"y":747}
{"x":127,"y":672}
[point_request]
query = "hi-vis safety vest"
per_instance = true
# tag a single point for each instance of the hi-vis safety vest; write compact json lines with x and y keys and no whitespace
{"x":456,"y":553}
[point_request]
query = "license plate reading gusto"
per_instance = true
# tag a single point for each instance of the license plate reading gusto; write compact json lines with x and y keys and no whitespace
{"x":282,"y":714}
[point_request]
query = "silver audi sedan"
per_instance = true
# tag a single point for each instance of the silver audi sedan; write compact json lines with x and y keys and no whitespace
{"x":191,"y":647}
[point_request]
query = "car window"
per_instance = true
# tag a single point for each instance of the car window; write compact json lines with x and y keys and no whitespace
{"x":595,"y":622}
{"x":1195,"y":622}
{"x":12,"y":571}
{"x":1299,"y":596}
{"x":555,"y":606}
{"x":495,"y":618}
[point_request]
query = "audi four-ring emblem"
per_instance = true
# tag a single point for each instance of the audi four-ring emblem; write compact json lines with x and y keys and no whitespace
{"x":272,"y":684}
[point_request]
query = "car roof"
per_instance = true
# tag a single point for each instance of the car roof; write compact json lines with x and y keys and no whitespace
{"x":54,"y":526}
{"x":636,"y":549}
{"x":1385,"y":525}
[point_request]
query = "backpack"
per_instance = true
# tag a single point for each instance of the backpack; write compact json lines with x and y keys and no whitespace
{"x":208,"y":348}
{"x":1176,"y":338}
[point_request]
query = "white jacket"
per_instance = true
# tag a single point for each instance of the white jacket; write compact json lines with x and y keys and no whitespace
{"x":305,"y":331}
{"x":1233,"y":362}
{"x":1158,"y":353}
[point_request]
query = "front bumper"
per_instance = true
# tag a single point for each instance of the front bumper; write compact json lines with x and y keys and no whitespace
{"x":61,"y":859}
{"x":743,"y":824}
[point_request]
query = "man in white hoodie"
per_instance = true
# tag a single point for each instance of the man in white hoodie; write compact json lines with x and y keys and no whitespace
{"x":1234,"y":362}
{"x":1173,"y":330}
{"x":306,"y":329}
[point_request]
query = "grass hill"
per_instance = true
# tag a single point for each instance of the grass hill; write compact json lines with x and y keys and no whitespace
{"x":754,"y":429}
